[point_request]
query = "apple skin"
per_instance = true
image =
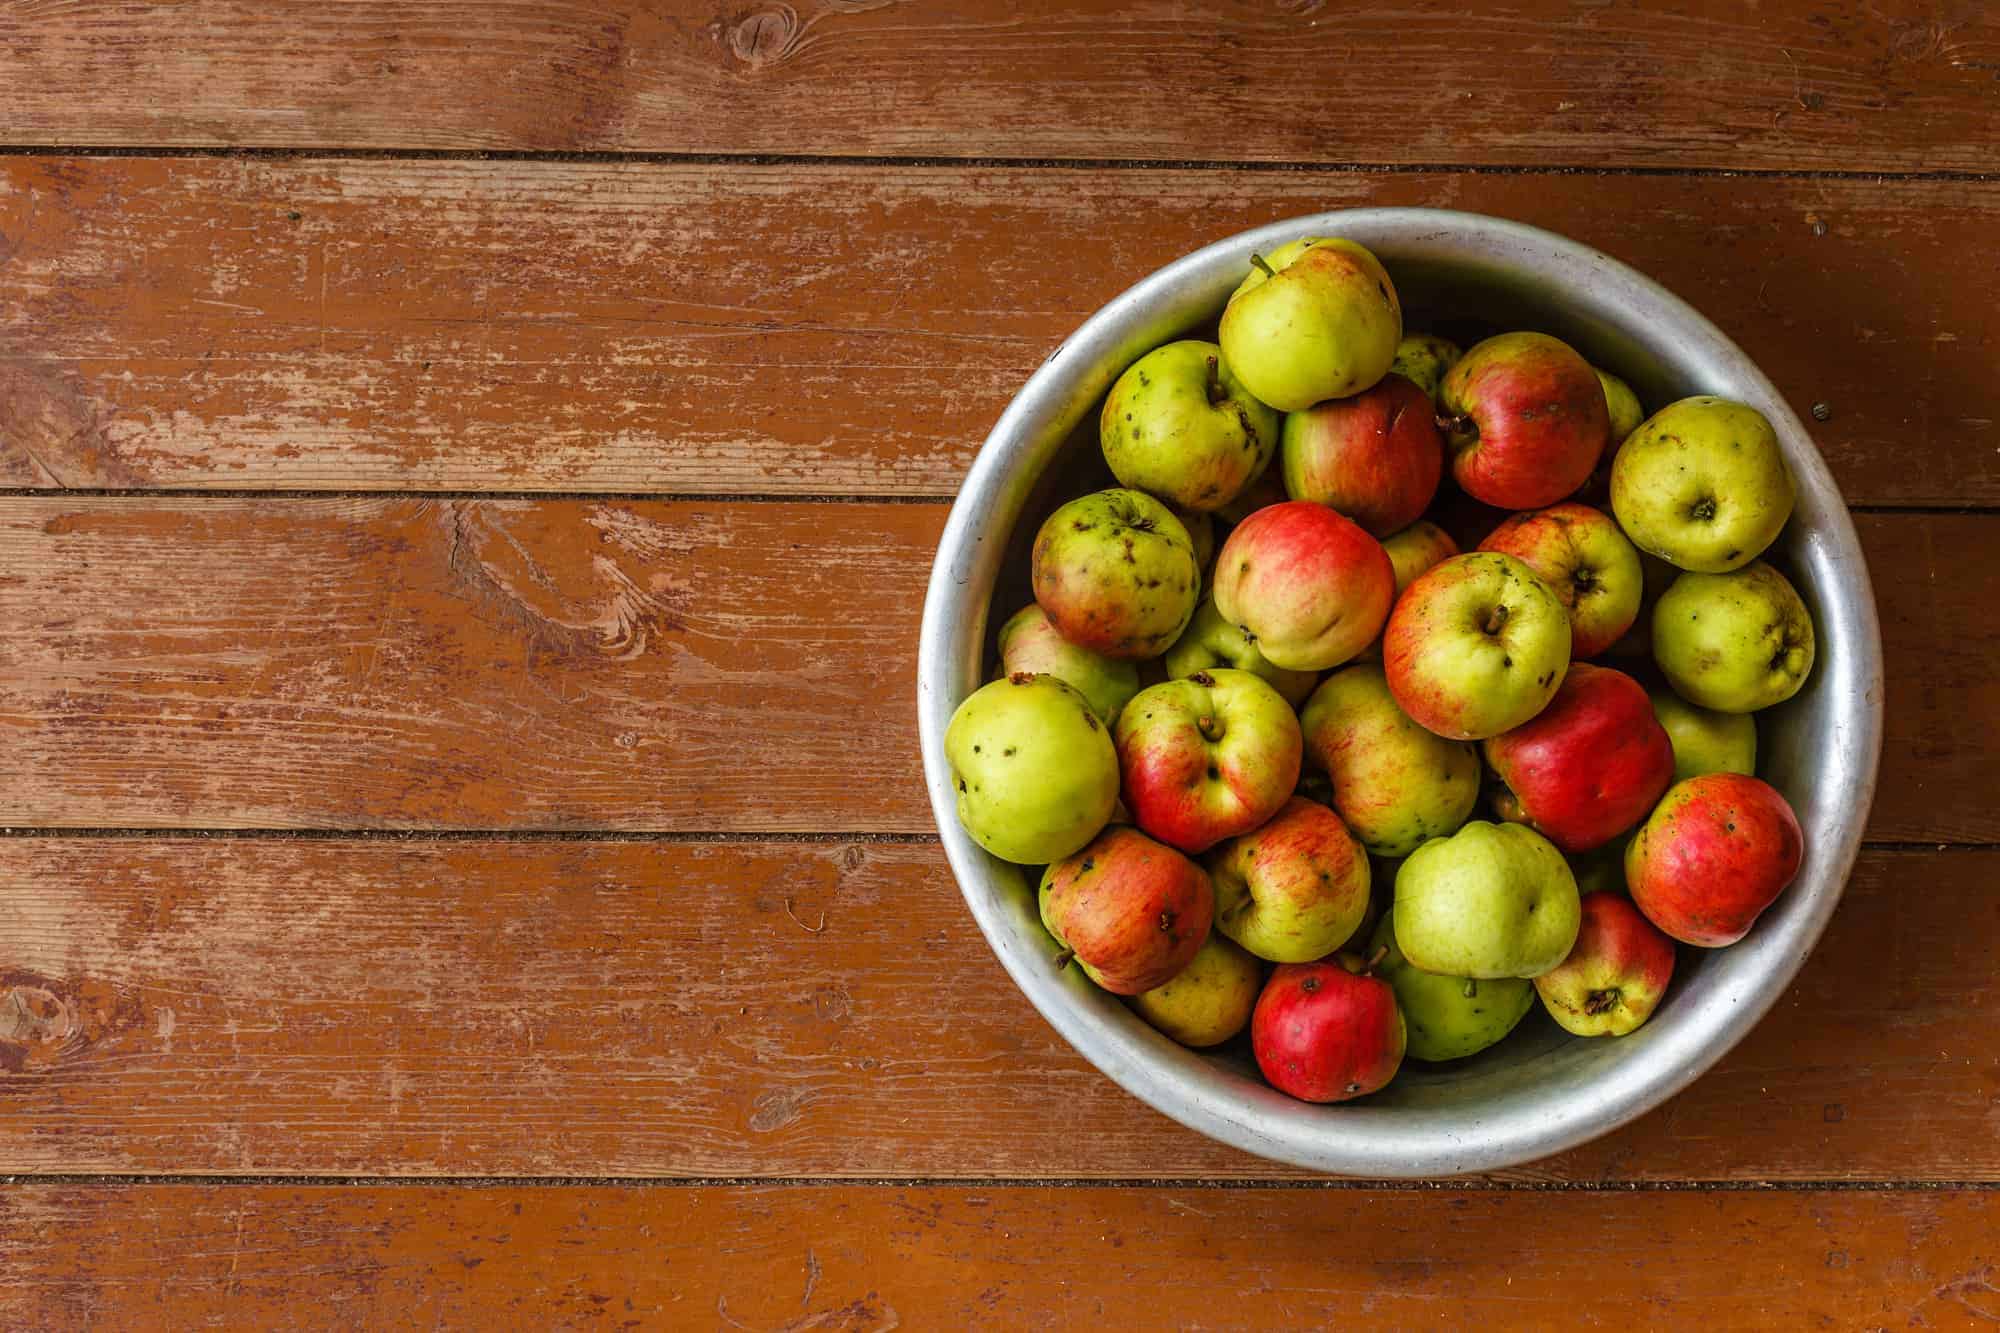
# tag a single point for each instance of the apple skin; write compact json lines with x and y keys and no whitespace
{"x":1208,"y":1001}
{"x":1717,"y":851}
{"x":1702,"y":484}
{"x":1476,"y":646}
{"x":1323,"y":324}
{"x":1590,"y":765}
{"x":1326,"y":1032}
{"x":1616,"y":975}
{"x":1029,"y":643}
{"x":1201,"y":533}
{"x":1375,"y":457}
{"x":1179,"y":426}
{"x":1132,"y":912}
{"x":1423,"y":359}
{"x":1586,"y":561}
{"x":1208,"y":757}
{"x":1526,"y":420}
{"x":1421,"y":546}
{"x":1734,"y":642}
{"x":1116,"y":572}
{"x":1704,"y":740}
{"x":1622,"y":407}
{"x":1448,"y":1018}
{"x":1307,"y":582}
{"x":1294,"y":889}
{"x":1396,"y":784}
{"x":1210,"y":642}
{"x":1035,"y":770}
{"x":1492,"y":900}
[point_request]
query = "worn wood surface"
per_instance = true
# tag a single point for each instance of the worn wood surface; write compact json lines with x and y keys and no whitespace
{"x":1846,"y":84}
{"x":784,"y":329}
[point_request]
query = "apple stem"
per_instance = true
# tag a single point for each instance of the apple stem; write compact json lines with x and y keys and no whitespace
{"x":1456,"y":425}
{"x":1471,"y":988}
{"x":1216,"y":393}
{"x":1062,"y":959}
{"x":1381,"y":952}
{"x":1258,"y":261}
{"x":1495,"y":620}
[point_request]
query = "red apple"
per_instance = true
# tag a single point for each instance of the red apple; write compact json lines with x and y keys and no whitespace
{"x":1590,"y":765}
{"x":1327,"y":1031}
{"x":1586,"y":561}
{"x":1615,"y":976}
{"x":1310,"y":584}
{"x":1293,"y":889}
{"x":1132,"y":912}
{"x":1525,"y":418}
{"x":1376,"y":457}
{"x":1717,"y":851}
{"x":1207,"y":757}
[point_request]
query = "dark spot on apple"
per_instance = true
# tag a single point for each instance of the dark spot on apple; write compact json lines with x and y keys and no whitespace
{"x":1009,"y":752}
{"x":1214,"y":773}
{"x":1090,"y":719}
{"x":1729,"y":828}
{"x":1309,"y":985}
{"x":1354,"y":1087}
{"x":1166,"y":921}
{"x":975,"y":749}
{"x":1089,"y":863}
{"x":1082,"y":526}
{"x":1733,"y":553}
{"x":961,"y":784}
{"x":1505,"y":660}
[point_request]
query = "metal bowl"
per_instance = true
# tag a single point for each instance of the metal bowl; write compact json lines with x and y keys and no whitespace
{"x":1540,"y":1091}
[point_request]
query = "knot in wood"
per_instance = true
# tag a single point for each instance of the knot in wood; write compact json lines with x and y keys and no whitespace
{"x":766,"y":37}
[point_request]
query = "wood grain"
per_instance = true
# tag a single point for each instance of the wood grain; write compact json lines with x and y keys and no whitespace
{"x":1846,"y":85}
{"x":794,"y":1009}
{"x":855,"y":330}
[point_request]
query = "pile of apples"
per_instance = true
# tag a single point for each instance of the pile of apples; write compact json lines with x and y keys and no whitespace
{"x":1165,"y":736}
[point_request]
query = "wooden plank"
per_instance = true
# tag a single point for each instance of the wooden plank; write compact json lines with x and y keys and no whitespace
{"x":784,"y":1010}
{"x":584,"y":327}
{"x":1888,"y":85}
{"x":859,"y":1258}
{"x":368,"y":663}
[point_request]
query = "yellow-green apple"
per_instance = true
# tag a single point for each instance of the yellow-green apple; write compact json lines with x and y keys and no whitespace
{"x":1208,"y":757}
{"x":1733,"y":642}
{"x":1525,"y":419}
{"x":1587,"y":767}
{"x":1208,"y":1001}
{"x":1615,"y":976}
{"x":1396,"y":784}
{"x":1702,"y":483}
{"x":1717,"y":851}
{"x":1583,"y":557}
{"x":1315,"y":319}
{"x":1448,"y":1018}
{"x":1492,"y":900}
{"x":1327,"y":1031}
{"x":1034,"y":769}
{"x":1475,"y":646}
{"x":1131,"y":912}
{"x":1116,"y":572}
{"x":1294,"y":889}
{"x":1423,"y":359}
{"x":1178,"y":425}
{"x":1201,"y":532}
{"x":1029,"y":643}
{"x":1266,"y":490}
{"x":1376,"y":457}
{"x":1419,"y":547}
{"x":1704,"y":740}
{"x":1307,"y":582}
{"x":1621,"y":405}
{"x":1210,"y":641}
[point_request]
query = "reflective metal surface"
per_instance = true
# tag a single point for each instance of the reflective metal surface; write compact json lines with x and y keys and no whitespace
{"x":1540,"y":1091}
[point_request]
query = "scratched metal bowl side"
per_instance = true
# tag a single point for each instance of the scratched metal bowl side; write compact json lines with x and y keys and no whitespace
{"x":1539,"y":1092}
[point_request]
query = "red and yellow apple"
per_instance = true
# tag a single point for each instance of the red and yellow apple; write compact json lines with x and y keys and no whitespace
{"x":1307,"y":582}
{"x":1590,"y":765}
{"x":1131,"y":912}
{"x":1616,"y":975}
{"x":1715,"y":853}
{"x":1294,"y":889}
{"x":1525,"y":419}
{"x":1375,"y":457}
{"x":1586,"y":561}
{"x":1208,"y":757}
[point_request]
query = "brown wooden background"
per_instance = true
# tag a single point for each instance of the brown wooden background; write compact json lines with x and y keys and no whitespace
{"x":470,"y":472}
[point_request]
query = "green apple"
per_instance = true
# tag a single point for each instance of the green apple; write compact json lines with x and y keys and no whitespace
{"x":1178,"y":425}
{"x":1035,"y":771}
{"x":1492,"y":900}
{"x":1733,"y":642}
{"x":1448,"y":1018}
{"x":1702,"y":484}
{"x":1396,"y":784}
{"x":1201,"y":535}
{"x":1029,"y":642}
{"x":1476,"y":646}
{"x":1423,"y":359}
{"x":1705,"y":741}
{"x":1210,"y":641}
{"x":1315,"y":319}
{"x":1208,"y":1001}
{"x":1626,"y":414}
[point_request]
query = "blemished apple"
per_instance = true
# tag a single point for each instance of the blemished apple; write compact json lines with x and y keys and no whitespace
{"x":1622,"y":406}
{"x":1396,"y":784}
{"x":1307,"y":582}
{"x":1448,"y":1018}
{"x":1420,"y":547}
{"x":1704,"y":740}
{"x":1702,"y":483}
{"x":1210,"y":642}
{"x":1590,"y":765}
{"x":1208,"y":1001}
{"x":1179,"y":426}
{"x":1734,"y":642}
{"x":1029,"y":643}
{"x":1116,"y":572}
{"x":1034,"y":770}
{"x":1130,"y":911}
{"x":1717,"y":851}
{"x":1376,"y":457}
{"x":1586,"y":561}
{"x":1315,"y":319}
{"x":1616,"y":975}
{"x":1327,"y":1031}
{"x":1208,"y":757}
{"x":1525,"y":419}
{"x":1476,"y":646}
{"x":1423,"y":359}
{"x":1294,"y":889}
{"x":1492,"y":900}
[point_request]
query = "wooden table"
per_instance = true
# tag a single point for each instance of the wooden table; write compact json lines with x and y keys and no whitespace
{"x":471,"y":471}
